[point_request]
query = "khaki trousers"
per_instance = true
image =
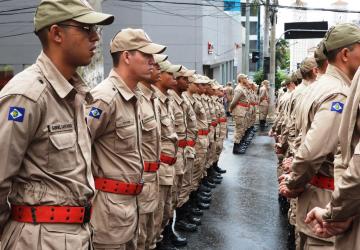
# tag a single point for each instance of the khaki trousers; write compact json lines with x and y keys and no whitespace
{"x":240,"y":128}
{"x":146,"y":231}
{"x":163,"y":213}
{"x":188,"y":176}
{"x":18,"y":235}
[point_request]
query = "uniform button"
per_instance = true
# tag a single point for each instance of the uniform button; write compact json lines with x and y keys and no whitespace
{"x":114,"y":89}
{"x":41,"y":81}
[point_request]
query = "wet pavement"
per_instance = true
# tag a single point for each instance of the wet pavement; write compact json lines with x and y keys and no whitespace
{"x":244,"y":212}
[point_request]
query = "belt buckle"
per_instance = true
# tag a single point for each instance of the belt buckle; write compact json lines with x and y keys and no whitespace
{"x":87,"y":213}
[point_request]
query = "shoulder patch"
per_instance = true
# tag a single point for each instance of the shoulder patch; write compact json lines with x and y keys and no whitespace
{"x":95,"y":112}
{"x":337,"y":107}
{"x":16,"y":114}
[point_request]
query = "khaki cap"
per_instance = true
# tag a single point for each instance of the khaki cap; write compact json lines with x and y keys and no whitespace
{"x":135,"y":39}
{"x":184,"y":72}
{"x":215,"y":86}
{"x":241,"y":76}
{"x":319,"y":52}
{"x":283,"y":83}
{"x":160,"y":58}
{"x":265,"y":82}
{"x":168,"y":67}
{"x":196,"y":78}
{"x":341,"y":35}
{"x":307,"y":65}
{"x":55,"y":11}
{"x":205,"y":80}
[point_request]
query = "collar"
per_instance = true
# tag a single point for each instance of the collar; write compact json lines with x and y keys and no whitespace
{"x":337,"y":73}
{"x":121,"y":86}
{"x":191,"y":98}
{"x":61,"y":86}
{"x":176,"y":97}
{"x":162,"y":97}
{"x":146,"y":92}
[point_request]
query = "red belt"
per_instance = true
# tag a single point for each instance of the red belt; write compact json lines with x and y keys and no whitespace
{"x":191,"y":143}
{"x":243,"y":104}
{"x":203,"y":132}
{"x":253,"y":103}
{"x":214,"y":124}
{"x":182,"y":143}
{"x":323,"y":182}
{"x":118,"y":187}
{"x":222,"y":119}
{"x":167,"y":159}
{"x":151,"y":166}
{"x":51,"y":214}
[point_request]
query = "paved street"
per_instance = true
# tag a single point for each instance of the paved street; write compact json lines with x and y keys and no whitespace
{"x":244,"y":213}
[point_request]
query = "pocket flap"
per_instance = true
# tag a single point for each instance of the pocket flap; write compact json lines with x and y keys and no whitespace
{"x":63,"y":140}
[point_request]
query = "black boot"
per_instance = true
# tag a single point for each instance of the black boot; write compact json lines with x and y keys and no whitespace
{"x":166,"y":243}
{"x":218,"y":169}
{"x":193,"y":205}
{"x":185,"y":226}
{"x":236,"y":148}
{"x":203,"y":199}
{"x":208,"y":183}
{"x":175,"y":238}
{"x":204,"y":188}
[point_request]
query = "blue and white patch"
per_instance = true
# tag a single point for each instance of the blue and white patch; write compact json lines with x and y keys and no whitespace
{"x":337,"y":107}
{"x":16,"y":114}
{"x":95,"y":112}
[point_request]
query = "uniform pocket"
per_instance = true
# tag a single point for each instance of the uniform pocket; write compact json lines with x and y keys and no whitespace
{"x":62,"y":151}
{"x":57,"y":236}
{"x":121,"y":209}
{"x":149,"y":130}
{"x":126,"y":136}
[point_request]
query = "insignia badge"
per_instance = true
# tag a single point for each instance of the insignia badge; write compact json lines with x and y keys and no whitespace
{"x":95,"y":112}
{"x":16,"y":114}
{"x":337,"y":107}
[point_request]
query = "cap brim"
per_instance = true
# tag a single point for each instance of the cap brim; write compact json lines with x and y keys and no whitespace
{"x":189,"y":73}
{"x":160,"y":58}
{"x":152,"y":48}
{"x":95,"y":18}
{"x":173,"y":69}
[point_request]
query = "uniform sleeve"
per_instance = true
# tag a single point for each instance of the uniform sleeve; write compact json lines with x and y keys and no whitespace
{"x":20,"y":118}
{"x":346,"y":197}
{"x":98,"y":118}
{"x":236,"y":99}
{"x":321,"y":140}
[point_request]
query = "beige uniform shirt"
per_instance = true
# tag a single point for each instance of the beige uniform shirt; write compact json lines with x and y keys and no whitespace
{"x":202,"y":124}
{"x":168,"y":137}
{"x":191,"y":129}
{"x":264,"y":96}
{"x":150,"y":146}
{"x":114,"y":124}
{"x":46,"y":159}
{"x":229,"y":91}
{"x":319,"y":143}
{"x":179,"y":107}
{"x":240,"y":95}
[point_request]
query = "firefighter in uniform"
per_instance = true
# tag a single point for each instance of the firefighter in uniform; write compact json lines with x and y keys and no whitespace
{"x":239,"y":108}
{"x":46,"y":184}
{"x":167,"y":156}
{"x":150,"y":148}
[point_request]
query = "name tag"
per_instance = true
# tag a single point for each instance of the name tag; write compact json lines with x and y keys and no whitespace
{"x":148,"y":119}
{"x":60,"y":127}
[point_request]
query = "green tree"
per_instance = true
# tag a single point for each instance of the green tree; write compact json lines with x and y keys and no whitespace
{"x":259,"y":76}
{"x":282,"y":54}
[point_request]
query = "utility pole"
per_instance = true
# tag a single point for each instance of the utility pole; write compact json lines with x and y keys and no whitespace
{"x":247,"y":37}
{"x":266,"y":34}
{"x":273,"y":20}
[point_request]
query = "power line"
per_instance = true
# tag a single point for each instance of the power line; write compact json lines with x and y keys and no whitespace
{"x":19,"y":34}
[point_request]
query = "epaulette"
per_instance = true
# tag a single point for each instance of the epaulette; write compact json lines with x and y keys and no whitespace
{"x":28,"y":83}
{"x":104,"y":91}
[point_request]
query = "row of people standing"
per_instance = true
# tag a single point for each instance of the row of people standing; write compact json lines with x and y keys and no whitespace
{"x":313,"y":170}
{"x":114,"y":167}
{"x":244,"y":107}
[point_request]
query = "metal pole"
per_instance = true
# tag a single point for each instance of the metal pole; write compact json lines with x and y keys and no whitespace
{"x":266,"y":32}
{"x":272,"y":56}
{"x":247,"y":37}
